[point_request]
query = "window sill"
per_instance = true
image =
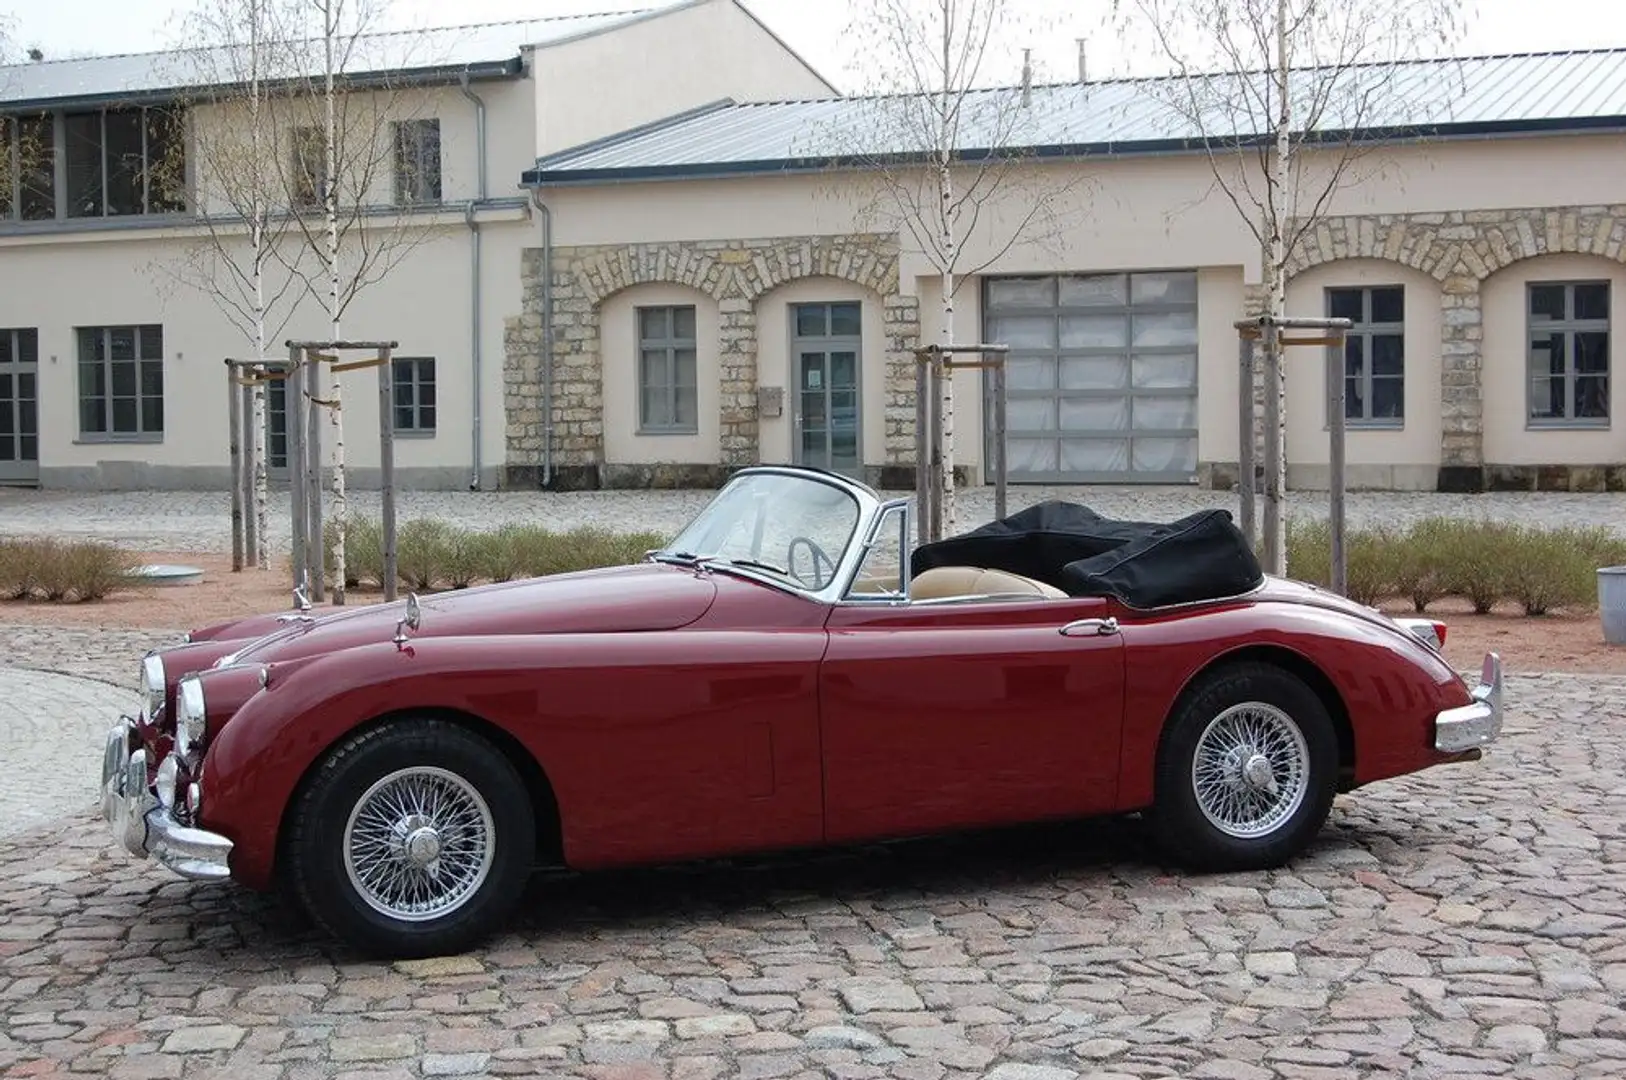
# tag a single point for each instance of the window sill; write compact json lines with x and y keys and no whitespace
{"x":414,"y":433}
{"x":1369,"y":425}
{"x":667,"y":432}
{"x":1567,"y":425}
{"x":118,"y":440}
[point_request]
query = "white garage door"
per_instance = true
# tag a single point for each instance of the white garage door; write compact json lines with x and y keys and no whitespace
{"x":1102,"y":376}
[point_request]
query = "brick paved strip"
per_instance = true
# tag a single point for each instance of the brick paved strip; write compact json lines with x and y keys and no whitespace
{"x":1470,"y":921}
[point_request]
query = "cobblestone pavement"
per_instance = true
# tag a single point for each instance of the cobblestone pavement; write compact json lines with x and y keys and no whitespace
{"x":200,"y":521}
{"x":1470,"y":921}
{"x":41,"y":716}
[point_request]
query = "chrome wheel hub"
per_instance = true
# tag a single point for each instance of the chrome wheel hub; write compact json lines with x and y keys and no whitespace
{"x":419,"y":843}
{"x":1251,"y":770}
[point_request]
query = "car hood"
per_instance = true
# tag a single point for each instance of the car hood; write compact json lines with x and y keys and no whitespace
{"x":1289,"y":591}
{"x":620,"y":599}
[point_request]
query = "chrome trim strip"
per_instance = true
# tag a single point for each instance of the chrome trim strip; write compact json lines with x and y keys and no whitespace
{"x":143,"y":825}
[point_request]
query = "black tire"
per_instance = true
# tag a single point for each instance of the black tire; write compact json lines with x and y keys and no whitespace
{"x":315,"y":852}
{"x":1178,"y":821}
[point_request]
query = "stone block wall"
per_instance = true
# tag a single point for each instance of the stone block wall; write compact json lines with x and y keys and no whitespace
{"x":737,"y":274}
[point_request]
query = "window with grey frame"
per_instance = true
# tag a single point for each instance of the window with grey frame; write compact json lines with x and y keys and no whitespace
{"x":1567,"y":333}
{"x":668,"y":395}
{"x":121,"y":383}
{"x":28,"y":168}
{"x":414,"y":379}
{"x":1374,"y":353}
{"x":417,"y":161}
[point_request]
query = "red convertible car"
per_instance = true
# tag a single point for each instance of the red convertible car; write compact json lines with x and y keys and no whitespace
{"x":789,"y":672}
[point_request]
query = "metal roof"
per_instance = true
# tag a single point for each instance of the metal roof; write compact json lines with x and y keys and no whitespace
{"x":1483,"y":95}
{"x":487,"y":49}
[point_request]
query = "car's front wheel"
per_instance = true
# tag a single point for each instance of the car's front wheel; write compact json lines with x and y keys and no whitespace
{"x":414,"y":838}
{"x":1246,"y":770}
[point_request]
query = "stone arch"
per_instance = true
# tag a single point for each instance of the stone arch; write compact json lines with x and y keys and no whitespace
{"x":614,"y":269}
{"x":1408,"y":241}
{"x":868,"y":260}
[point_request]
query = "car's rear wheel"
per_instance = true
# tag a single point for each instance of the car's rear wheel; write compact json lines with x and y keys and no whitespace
{"x":412,"y":839}
{"x":1246,"y":770}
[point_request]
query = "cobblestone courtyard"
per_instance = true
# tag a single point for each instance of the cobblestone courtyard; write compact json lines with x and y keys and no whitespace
{"x":1470,"y":921}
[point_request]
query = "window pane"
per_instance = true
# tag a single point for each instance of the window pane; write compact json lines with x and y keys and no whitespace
{"x":1165,"y":328}
{"x":1547,"y":301}
{"x":683,"y":323}
{"x":1095,"y":455}
{"x":92,"y":415}
{"x":426,"y":395}
{"x":683,"y":367}
{"x":1389,"y":304}
{"x":125,"y":171}
{"x":1165,"y":455}
{"x":36,"y":147}
{"x":1021,"y":292}
{"x":30,"y":448}
{"x":1030,"y":414}
{"x":124,"y":415}
{"x":1093,"y":290}
{"x":1547,"y":354}
{"x":1354,"y":356}
{"x":83,"y":135}
{"x":8,"y":134}
{"x":1546,"y":398}
{"x":404,"y":417}
{"x":1592,"y":352}
{"x":1354,"y":399}
{"x":403,"y":394}
{"x":1095,"y":373}
{"x":1031,"y":455}
{"x":1166,"y":412}
{"x":426,"y":418}
{"x":1388,"y":398}
{"x":6,"y":338}
{"x":1345,"y":304}
{"x":1163,"y":288}
{"x":1094,"y":414}
{"x":846,"y":320}
{"x":1030,"y":373}
{"x":152,"y":378}
{"x":1094,"y":331}
{"x":653,"y":372}
{"x":124,"y":380}
{"x":810,"y":320}
{"x":401,"y":371}
{"x":166,"y":162}
{"x":1592,"y":300}
{"x":28,"y":346}
{"x":654,"y":408}
{"x":152,"y":415}
{"x":92,"y":380}
{"x":1592,"y":397}
{"x":688,"y":406}
{"x":1388,"y":354}
{"x":1165,"y":372}
{"x":152,"y":342}
{"x":1024,"y":331}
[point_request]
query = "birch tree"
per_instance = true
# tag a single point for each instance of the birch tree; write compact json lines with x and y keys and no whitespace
{"x":338,"y":181}
{"x":940,"y":158}
{"x":234,"y":57}
{"x":1284,"y":123}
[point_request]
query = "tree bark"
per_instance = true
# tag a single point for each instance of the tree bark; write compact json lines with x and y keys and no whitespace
{"x":335,"y":390}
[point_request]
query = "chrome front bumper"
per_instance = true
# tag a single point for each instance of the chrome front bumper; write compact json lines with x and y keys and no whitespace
{"x":1479,"y":723}
{"x":143,"y":824}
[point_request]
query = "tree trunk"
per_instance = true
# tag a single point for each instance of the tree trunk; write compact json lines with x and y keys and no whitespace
{"x":335,"y":405}
{"x":257,"y":410}
{"x":1275,"y":524}
{"x":950,"y":252}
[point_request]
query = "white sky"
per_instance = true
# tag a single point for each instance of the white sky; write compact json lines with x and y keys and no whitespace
{"x":815,"y":28}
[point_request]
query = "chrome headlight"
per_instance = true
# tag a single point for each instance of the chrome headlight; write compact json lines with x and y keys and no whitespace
{"x":191,"y":718}
{"x":152,"y":685}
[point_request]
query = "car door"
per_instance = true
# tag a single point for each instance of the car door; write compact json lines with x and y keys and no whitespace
{"x":968,"y":713}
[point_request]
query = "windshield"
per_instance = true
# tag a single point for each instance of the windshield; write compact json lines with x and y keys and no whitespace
{"x":791,"y":527}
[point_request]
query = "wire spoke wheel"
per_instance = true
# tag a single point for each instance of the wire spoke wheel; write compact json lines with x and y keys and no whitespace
{"x":419,"y":843}
{"x":1251,"y":770}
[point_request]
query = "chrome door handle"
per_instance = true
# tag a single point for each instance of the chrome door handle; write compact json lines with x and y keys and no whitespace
{"x":1090,"y":628}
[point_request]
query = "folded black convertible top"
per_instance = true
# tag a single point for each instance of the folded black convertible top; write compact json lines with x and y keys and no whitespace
{"x":1203,"y":556}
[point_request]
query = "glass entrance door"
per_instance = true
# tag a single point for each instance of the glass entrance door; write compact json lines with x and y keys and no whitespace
{"x":19,"y":407}
{"x":827,"y":387}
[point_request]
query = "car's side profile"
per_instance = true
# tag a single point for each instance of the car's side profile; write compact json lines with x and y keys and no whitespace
{"x":787,"y":673}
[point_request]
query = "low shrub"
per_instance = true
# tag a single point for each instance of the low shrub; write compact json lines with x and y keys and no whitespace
{"x":1555,"y":568}
{"x":60,"y":571}
{"x":433,"y":554}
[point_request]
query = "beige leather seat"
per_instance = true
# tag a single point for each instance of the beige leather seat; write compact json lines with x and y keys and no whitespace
{"x":942,"y":582}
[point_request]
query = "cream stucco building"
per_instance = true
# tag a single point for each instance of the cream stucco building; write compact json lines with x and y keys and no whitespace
{"x":667,"y":264}
{"x":111,"y":357}
{"x":1478,"y":248}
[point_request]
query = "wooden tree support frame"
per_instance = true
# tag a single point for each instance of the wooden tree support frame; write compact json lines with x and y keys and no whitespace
{"x":934,"y":363}
{"x":304,"y":408}
{"x":1269,"y":331}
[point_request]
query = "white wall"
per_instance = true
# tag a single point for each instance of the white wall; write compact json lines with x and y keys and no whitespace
{"x":610,"y":82}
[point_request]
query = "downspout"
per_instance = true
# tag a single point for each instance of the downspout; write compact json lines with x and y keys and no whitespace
{"x":475,"y":357}
{"x":547,"y":335}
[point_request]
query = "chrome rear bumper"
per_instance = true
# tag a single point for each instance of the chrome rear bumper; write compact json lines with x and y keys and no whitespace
{"x":1478,"y":723}
{"x":142,"y":824}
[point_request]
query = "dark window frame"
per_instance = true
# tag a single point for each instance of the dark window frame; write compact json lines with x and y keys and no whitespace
{"x":1362,"y":334}
{"x":307,"y":164}
{"x":672,"y":346}
{"x":1566,"y":329}
{"x":46,"y":147}
{"x":146,"y":351}
{"x":417,"y":166}
{"x":22,"y":345}
{"x":408,"y":373}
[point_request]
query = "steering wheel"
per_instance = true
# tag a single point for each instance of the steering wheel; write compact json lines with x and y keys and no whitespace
{"x":817,"y":554}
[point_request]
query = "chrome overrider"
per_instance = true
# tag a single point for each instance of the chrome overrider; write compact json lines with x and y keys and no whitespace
{"x":1478,"y":723}
{"x":142,"y":816}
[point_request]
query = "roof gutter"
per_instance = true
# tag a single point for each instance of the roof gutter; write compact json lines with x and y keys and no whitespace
{"x":547,"y":335}
{"x":475,"y":337}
